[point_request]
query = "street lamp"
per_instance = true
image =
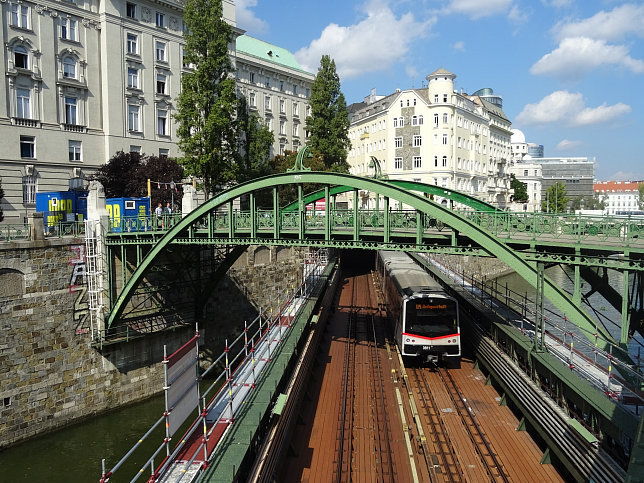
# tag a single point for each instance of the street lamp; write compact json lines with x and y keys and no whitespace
{"x":172,"y":185}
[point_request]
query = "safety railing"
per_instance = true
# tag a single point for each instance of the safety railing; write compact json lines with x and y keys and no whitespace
{"x":14,"y":232}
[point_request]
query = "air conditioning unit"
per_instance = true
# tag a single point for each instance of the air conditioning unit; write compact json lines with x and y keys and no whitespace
{"x":29,"y":170}
{"x":76,"y":173}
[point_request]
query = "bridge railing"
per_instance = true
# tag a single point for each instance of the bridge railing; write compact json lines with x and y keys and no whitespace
{"x":553,"y":226}
{"x":14,"y":232}
{"x":616,"y":230}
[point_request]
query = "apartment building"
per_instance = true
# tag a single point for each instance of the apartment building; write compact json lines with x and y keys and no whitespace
{"x":435,"y":135}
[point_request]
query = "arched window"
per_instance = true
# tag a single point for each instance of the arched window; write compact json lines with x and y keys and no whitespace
{"x":20,"y":57}
{"x":69,"y":67}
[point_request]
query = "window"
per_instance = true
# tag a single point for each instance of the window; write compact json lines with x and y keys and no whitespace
{"x":445,"y":118}
{"x":418,"y":140}
{"x":296,"y":109}
{"x":252,"y":101}
{"x":70,"y":110}
{"x":135,"y":149}
{"x":420,"y":120}
{"x":74,"y":150}
{"x":436,"y":98}
{"x":27,"y":147}
{"x":435,"y":120}
{"x":267,"y":102}
{"x":160,"y":19}
{"x":436,"y":161}
{"x":68,"y":28}
{"x":162,"y":122}
{"x":444,"y":161}
{"x":444,"y":97}
{"x":133,"y":78}
{"x":267,"y":81}
{"x":282,"y":106}
{"x":23,"y":103}
{"x":29,"y":189}
{"x":162,"y":83}
{"x":295,"y":89}
{"x":296,"y":129}
{"x":397,"y":163}
{"x":130,"y":10}
{"x":20,"y":15}
{"x":444,"y":138}
{"x":20,"y":57}
{"x":398,"y":142}
{"x":251,"y":76}
{"x":133,"y":114}
{"x":282,"y":128}
{"x":281,"y":85}
{"x":401,"y":121}
{"x":164,"y":153}
{"x":525,"y":172}
{"x":69,"y":68}
{"x":395,"y":122}
{"x":417,"y":160}
{"x":160,"y":49}
{"x":132,"y":44}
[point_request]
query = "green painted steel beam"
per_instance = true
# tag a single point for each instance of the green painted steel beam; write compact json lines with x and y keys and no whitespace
{"x":402,"y":195}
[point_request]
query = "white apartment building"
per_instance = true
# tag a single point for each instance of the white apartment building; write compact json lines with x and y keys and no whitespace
{"x":434,"y":135}
{"x":530,"y":174}
{"x":619,"y":197}
{"x":276,"y":88}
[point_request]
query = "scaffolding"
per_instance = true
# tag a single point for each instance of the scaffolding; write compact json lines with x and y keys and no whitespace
{"x":94,"y":274}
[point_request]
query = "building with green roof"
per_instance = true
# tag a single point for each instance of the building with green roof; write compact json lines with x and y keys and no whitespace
{"x":277,"y":88}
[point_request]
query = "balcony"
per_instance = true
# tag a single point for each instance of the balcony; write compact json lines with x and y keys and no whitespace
{"x":20,"y":121}
{"x":73,"y":128}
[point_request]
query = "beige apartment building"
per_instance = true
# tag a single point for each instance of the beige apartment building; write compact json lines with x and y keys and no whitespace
{"x":435,"y":135}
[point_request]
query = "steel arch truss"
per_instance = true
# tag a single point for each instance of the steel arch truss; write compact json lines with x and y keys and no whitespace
{"x":216,"y":220}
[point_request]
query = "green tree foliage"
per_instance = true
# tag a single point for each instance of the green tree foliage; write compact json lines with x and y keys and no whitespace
{"x":255,"y":143}
{"x":127,"y":174}
{"x":1,"y":197}
{"x":556,"y":199}
{"x":207,"y":105}
{"x":640,"y":187}
{"x":328,"y":124}
{"x":282,"y":163}
{"x":588,"y":203}
{"x":520,"y":190}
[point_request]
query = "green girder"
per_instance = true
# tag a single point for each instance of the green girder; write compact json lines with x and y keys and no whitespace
{"x":394,"y":191}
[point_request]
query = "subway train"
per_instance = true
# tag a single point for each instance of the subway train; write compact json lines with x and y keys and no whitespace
{"x":425,"y":317}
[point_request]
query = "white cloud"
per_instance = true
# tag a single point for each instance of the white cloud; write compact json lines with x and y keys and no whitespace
{"x":568,"y":108}
{"x":625,"y":176}
{"x":557,"y":3}
{"x":460,"y":45}
{"x":566,"y":145}
{"x":246,"y":19}
{"x":479,"y":8}
{"x":614,"y":25}
{"x":576,"y":56}
{"x":371,"y":45}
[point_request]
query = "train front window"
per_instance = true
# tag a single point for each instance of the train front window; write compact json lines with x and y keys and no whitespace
{"x":431,"y":317}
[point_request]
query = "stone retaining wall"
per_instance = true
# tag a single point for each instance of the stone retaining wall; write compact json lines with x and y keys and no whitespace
{"x":51,"y":375}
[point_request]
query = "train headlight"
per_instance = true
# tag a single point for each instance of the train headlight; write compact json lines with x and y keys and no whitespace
{"x":407,"y":339}
{"x":454,"y":340}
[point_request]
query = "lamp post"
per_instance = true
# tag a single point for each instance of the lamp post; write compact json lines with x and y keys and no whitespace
{"x":172,"y":194}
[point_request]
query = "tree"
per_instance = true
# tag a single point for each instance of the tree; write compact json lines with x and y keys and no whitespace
{"x":256,"y":141}
{"x":556,"y":199}
{"x":1,"y":196}
{"x":588,"y":203}
{"x":118,"y":176}
{"x":207,"y":105}
{"x":328,"y":124}
{"x":127,"y":174}
{"x":640,"y":188}
{"x":520,"y":189}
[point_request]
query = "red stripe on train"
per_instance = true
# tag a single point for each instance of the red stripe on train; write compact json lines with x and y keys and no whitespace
{"x":430,"y":338}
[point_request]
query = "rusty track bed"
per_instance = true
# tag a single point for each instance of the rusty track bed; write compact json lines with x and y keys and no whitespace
{"x":359,"y":420}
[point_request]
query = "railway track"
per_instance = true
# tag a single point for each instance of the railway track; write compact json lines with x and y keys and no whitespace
{"x":364,"y":439}
{"x":449,"y":467}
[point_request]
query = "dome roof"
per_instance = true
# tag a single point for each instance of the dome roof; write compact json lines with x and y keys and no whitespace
{"x":517,"y":136}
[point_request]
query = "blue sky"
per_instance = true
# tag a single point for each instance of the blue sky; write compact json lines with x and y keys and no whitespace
{"x":571,"y":72}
